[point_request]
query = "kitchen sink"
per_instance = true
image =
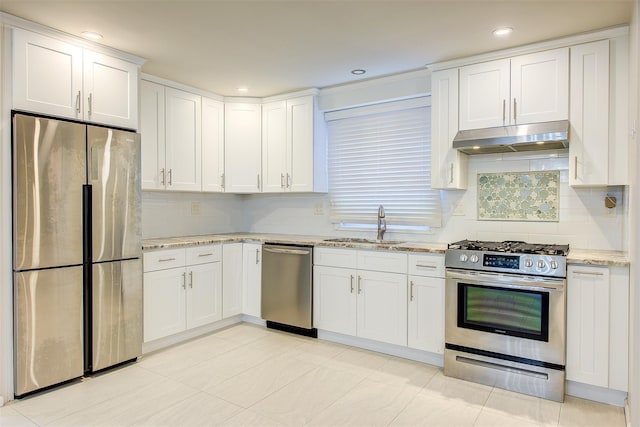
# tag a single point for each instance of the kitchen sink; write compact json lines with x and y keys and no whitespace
{"x":361,"y":240}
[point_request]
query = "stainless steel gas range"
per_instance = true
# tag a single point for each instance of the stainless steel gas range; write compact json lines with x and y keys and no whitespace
{"x":506,"y":315}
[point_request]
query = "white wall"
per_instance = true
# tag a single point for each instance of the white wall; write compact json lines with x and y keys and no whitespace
{"x":584,"y":221}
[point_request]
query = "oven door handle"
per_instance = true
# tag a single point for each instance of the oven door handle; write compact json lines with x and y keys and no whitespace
{"x":509,"y":282}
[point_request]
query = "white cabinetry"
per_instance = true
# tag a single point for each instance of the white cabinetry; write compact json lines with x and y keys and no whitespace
{"x":524,"y":89}
{"x":448,"y":166}
{"x":153,"y":135}
{"x":362,"y":293}
{"x":252,"y":279}
{"x":182,"y":290}
{"x":425,"y":329}
{"x":212,"y":145}
{"x":54,"y":77}
{"x":243,"y":157}
{"x":231,"y":279}
{"x":289,"y":132}
{"x":599,"y":141}
{"x":597,"y":326}
{"x":183,"y":140}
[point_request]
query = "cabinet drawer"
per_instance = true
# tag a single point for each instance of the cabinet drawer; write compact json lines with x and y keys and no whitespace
{"x":392,"y":262}
{"x":331,"y":257}
{"x":161,"y":260}
{"x":426,"y":265}
{"x":204,"y":254}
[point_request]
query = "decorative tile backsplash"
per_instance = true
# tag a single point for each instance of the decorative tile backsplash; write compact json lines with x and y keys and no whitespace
{"x":519,"y":196}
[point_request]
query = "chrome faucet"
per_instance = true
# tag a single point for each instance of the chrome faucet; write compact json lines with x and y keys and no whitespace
{"x":382,"y":224}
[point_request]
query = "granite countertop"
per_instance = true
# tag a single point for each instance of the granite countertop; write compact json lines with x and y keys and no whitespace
{"x":576,"y":256}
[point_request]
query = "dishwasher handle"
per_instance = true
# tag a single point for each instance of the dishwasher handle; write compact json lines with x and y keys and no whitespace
{"x":286,"y":251}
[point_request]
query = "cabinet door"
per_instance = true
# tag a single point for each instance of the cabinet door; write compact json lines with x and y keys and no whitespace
{"x":47,"y":75}
{"x":164,"y":303}
{"x":274,"y":147}
{"x":212,"y":145}
{"x":242,"y":139}
{"x":448,"y":166}
{"x":110,"y":90}
{"x":300,"y":162}
{"x":426,"y":314}
{"x":231,"y":279}
{"x":183,"y":140}
{"x":334,"y":299}
{"x":589,"y":133}
{"x":252,"y":279}
{"x":588,"y":325}
{"x":152,"y":135}
{"x":204,"y":294}
{"x":540,"y":87}
{"x":484,"y":95}
{"x":382,"y":306}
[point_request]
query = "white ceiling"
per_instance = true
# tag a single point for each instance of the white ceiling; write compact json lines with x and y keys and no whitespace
{"x":276,"y":47}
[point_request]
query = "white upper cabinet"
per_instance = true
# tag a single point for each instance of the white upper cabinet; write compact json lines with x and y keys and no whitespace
{"x":152,"y":135}
{"x":183,"y":140}
{"x":288,"y":137}
{"x":243,"y":140}
{"x":58,"y":78}
{"x":212,"y":145}
{"x":448,"y":166}
{"x":524,"y":89}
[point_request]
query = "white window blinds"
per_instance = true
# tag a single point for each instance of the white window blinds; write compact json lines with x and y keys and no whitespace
{"x":382,"y":156}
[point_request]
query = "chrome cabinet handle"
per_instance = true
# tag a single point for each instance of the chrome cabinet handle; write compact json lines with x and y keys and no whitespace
{"x":288,"y":181}
{"x":359,"y":284}
{"x":351,"y":282}
{"x":257,"y":253}
{"x":515,"y":110}
{"x":426,"y":266}
{"x":184,"y":280}
{"x":504,"y":111}
{"x":411,"y":291}
{"x":575,"y":167}
{"x":588,"y":273}
{"x":281,"y":180}
{"x":166,"y":259}
{"x":78,"y":103}
{"x":90,"y":104}
{"x":451,"y":173}
{"x":191,"y":279}
{"x":170,"y":176}
{"x":162,"y":181}
{"x":222,"y":181}
{"x":207,"y":254}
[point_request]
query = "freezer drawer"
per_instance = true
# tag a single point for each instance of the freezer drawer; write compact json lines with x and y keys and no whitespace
{"x":48,"y":336}
{"x":117,"y":312}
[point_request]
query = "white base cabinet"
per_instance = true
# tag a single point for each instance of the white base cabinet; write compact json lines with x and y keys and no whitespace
{"x":55,"y":77}
{"x":252,"y":279}
{"x":182,"y":290}
{"x":231,"y":279}
{"x":597,"y":326}
{"x":353,"y":299}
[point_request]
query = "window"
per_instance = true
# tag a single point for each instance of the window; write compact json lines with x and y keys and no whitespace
{"x":381,"y":155}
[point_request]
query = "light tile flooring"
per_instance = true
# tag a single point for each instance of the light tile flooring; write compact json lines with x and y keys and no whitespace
{"x":247,"y":375}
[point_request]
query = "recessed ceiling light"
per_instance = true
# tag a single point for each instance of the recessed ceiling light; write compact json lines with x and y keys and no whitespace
{"x":91,"y":35}
{"x":358,"y":71}
{"x":502,"y":31}
{"x":243,"y":89}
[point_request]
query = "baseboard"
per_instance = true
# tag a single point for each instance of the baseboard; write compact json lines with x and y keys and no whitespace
{"x":597,"y":394}
{"x":254,"y":320}
{"x":160,"y":343}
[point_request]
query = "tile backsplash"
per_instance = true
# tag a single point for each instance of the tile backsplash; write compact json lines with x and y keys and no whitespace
{"x":583,"y":220}
{"x":524,"y":196}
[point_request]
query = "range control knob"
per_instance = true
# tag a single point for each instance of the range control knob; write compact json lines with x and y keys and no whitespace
{"x":541,"y":264}
{"x":528,"y":263}
{"x":463,"y":258}
{"x":553,"y":265}
{"x":474,"y":258}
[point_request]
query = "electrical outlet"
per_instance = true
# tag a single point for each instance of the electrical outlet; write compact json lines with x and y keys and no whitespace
{"x":195,"y":208}
{"x":318,"y":209}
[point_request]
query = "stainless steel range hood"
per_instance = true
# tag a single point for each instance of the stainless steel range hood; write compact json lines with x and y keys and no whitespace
{"x":530,"y":137}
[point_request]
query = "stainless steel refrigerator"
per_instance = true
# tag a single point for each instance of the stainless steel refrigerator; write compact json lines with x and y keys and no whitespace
{"x":77,"y":253}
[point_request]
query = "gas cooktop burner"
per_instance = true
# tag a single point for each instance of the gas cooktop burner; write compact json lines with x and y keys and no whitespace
{"x":511,"y":246}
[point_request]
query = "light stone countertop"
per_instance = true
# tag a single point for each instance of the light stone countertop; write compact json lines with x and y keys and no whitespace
{"x":576,"y":256}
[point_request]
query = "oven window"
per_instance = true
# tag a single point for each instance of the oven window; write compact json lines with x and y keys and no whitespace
{"x":503,"y":311}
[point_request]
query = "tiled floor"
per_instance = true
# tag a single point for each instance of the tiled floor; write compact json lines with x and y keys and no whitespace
{"x":248,"y":375}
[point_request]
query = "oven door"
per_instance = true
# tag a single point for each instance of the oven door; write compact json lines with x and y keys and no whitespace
{"x":520,"y":317}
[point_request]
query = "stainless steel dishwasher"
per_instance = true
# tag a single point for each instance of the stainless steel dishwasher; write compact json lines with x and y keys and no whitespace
{"x":287,"y":288}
